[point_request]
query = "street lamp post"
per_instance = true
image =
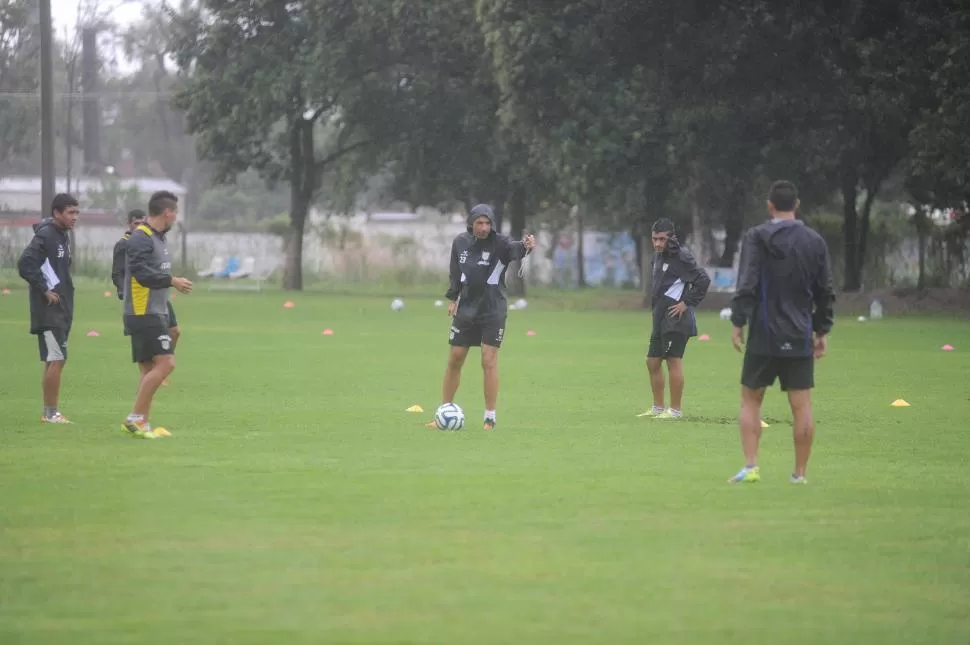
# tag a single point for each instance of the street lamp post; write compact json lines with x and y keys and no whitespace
{"x":47,"y":171}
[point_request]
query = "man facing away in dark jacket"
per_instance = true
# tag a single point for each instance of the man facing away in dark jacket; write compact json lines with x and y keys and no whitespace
{"x":478,"y":307}
{"x":785,"y":298}
{"x":46,"y":266}
{"x":679,"y":285}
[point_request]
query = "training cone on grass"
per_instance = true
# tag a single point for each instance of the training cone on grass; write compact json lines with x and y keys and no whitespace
{"x":764,"y":425}
{"x":948,"y":348}
{"x":107,"y":294}
{"x":415,"y":408}
{"x":899,"y":403}
{"x":6,"y":292}
{"x":328,"y":332}
{"x":289,"y":304}
{"x":93,"y":334}
{"x":703,"y":337}
{"x":530,"y":333}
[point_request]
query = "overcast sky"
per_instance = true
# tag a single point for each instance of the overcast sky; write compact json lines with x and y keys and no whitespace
{"x":123,"y":12}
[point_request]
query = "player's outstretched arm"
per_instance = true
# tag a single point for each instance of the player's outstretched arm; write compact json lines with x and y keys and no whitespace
{"x":517,"y":250}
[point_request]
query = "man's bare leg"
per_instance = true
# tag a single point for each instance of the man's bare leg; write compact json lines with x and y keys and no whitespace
{"x":675,"y":371}
{"x":456,"y":359}
{"x":750,"y":422}
{"x":174,"y":333}
{"x":803,"y":428}
{"x":160,"y":368}
{"x":655,"y":367}
{"x":490,"y":369}
{"x":52,"y":383}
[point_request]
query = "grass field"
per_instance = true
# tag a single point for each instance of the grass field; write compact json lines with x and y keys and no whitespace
{"x":299,"y":503}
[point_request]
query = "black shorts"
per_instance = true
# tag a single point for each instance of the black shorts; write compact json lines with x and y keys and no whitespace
{"x":149,"y":342}
{"x":172,"y":320}
{"x":672,"y":345}
{"x":477,"y":334}
{"x":796,"y":373}
{"x":53,"y":344}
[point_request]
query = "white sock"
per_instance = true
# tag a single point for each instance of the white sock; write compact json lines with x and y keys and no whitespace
{"x":674,"y":412}
{"x":136,"y":417}
{"x":490,"y":415}
{"x":657,"y":408}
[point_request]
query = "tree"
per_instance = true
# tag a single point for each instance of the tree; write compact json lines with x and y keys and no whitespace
{"x":264,"y":85}
{"x":19,"y":62}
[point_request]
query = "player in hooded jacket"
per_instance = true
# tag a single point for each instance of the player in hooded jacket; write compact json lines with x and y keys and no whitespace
{"x":477,"y":304}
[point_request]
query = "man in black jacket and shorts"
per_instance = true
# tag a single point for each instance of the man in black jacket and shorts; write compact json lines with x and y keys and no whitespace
{"x":785,"y":298}
{"x":46,"y":266}
{"x":679,"y":285}
{"x":479,"y":259}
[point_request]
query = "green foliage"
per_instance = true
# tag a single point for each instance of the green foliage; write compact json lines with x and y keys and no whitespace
{"x":113,"y":196}
{"x":245,"y":202}
{"x":19,"y":78}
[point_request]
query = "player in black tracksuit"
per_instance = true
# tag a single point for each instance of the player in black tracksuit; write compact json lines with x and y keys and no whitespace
{"x":679,"y":285}
{"x":478,"y":307}
{"x":785,"y":298}
{"x":118,"y":260}
{"x":119,"y":254}
{"x":46,"y":266}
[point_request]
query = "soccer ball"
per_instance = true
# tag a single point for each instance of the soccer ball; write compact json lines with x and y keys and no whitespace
{"x":726,"y":313}
{"x":397,"y":304}
{"x":449,"y":416}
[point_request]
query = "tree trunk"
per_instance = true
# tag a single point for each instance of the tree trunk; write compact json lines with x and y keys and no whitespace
{"x":293,"y":248}
{"x":852,"y":280}
{"x":871,"y":191}
{"x":921,"y":251}
{"x":302,"y":185}
{"x":517,"y":206}
{"x":733,"y":226}
{"x":580,"y":250}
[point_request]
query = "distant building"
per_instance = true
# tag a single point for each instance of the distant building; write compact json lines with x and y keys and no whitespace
{"x":22,"y":194}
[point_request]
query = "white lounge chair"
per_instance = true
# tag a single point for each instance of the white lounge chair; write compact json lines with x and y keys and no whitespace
{"x":217,"y":265}
{"x":245,"y":269}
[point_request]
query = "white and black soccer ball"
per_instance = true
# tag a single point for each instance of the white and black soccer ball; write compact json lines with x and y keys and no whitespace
{"x":726,"y":313}
{"x":449,"y":416}
{"x":397,"y":304}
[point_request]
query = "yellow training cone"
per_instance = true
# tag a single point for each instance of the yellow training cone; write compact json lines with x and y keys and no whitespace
{"x":764,"y":425}
{"x":899,"y":403}
{"x":415,"y":408}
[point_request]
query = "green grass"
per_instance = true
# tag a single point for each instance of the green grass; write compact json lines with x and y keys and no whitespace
{"x":299,"y":503}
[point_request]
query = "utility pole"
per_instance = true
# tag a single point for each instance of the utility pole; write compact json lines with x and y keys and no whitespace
{"x":47,"y":172}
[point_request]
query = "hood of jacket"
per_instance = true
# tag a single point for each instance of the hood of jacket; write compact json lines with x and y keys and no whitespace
{"x":777,"y":239}
{"x":47,"y":221}
{"x":479,"y":211}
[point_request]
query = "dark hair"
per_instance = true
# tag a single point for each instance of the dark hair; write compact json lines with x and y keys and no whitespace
{"x":62,"y":201}
{"x":161,"y":202}
{"x":135,"y":213}
{"x":783,"y":196}
{"x":663,"y":225}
